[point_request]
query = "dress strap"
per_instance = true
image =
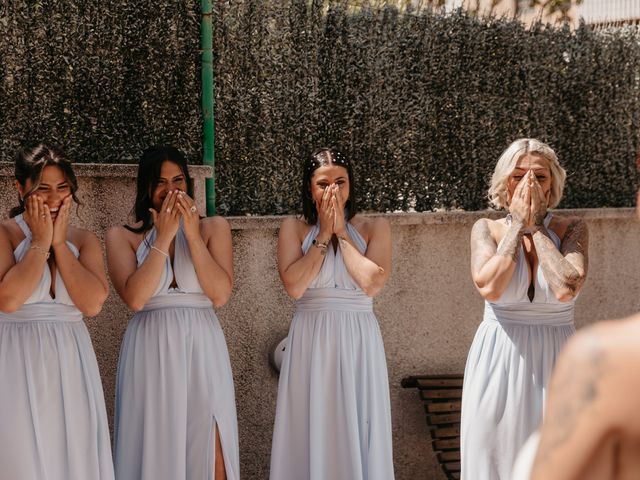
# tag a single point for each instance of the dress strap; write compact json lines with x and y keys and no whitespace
{"x":23,"y":225}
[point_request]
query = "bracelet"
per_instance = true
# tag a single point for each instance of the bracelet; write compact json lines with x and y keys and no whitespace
{"x":37,"y":247}
{"x":321,"y":245}
{"x":161,"y":251}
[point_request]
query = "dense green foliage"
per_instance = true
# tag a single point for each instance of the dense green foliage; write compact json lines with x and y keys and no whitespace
{"x":422,"y":102}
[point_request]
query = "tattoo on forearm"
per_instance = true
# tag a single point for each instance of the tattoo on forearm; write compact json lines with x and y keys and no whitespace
{"x":510,"y":245}
{"x":557,"y":269}
{"x":576,"y":387}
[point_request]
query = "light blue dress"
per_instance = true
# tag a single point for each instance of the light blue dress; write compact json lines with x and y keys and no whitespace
{"x":333,"y":416}
{"x":174,"y":385}
{"x":508,"y":370}
{"x":53,"y":422}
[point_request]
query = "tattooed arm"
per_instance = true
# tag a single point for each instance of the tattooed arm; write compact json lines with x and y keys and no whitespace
{"x":492,"y":266}
{"x":576,"y":421}
{"x":566,"y":269}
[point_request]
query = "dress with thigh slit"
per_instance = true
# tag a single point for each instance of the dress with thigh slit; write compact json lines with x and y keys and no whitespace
{"x":333,"y":416}
{"x":174,"y":387}
{"x":53,"y":421}
{"x":508,"y":370}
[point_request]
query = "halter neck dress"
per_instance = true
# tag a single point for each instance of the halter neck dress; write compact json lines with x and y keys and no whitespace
{"x":333,"y":415}
{"x":508,"y":370}
{"x":174,"y":385}
{"x":53,"y":421}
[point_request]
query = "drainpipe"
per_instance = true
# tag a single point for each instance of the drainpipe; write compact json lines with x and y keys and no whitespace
{"x":206,"y":45}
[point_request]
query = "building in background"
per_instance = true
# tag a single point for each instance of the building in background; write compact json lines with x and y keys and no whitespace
{"x":602,"y":13}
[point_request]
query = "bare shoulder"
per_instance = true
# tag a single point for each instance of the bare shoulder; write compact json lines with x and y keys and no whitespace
{"x":118,"y":234}
{"x":10,"y":230}
{"x":487,"y":229}
{"x":295,"y":226}
{"x":214,"y":225}
{"x":370,"y":226}
{"x":81,"y":237}
{"x":565,"y":226}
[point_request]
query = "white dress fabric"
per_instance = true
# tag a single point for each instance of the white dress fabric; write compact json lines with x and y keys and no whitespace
{"x":508,"y":370}
{"x":53,"y":421}
{"x":174,"y":387}
{"x":333,"y":415}
{"x":523,"y":465}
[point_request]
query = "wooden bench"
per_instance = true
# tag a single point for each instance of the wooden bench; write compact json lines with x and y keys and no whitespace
{"x":442,"y":397}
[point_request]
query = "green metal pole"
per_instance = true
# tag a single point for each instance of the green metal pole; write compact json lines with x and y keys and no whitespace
{"x":206,"y":44}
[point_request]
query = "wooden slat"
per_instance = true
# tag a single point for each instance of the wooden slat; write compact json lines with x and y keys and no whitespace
{"x":451,"y":466}
{"x":447,"y":394}
{"x":443,"y":418}
{"x":451,"y":382}
{"x":446,"y":432}
{"x":450,"y":456}
{"x":446,"y":444}
{"x":442,"y":395}
{"x":441,"y":407}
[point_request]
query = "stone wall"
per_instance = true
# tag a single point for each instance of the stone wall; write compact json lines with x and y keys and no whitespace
{"x":428,"y":311}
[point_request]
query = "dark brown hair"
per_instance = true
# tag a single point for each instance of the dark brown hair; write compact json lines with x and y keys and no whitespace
{"x":149,"y":169}
{"x":29,"y":165}
{"x":319,"y":158}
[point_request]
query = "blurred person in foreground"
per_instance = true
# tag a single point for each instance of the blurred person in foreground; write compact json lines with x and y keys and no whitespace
{"x":591,"y":429}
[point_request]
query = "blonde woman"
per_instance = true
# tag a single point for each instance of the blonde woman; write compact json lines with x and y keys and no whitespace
{"x":529,"y":267}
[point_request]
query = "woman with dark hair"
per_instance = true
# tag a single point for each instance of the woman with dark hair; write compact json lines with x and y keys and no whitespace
{"x":53,"y":422}
{"x":333,"y":417}
{"x":175,"y":406}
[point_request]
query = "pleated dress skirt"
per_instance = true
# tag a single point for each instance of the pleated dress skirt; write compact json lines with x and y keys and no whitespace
{"x":333,"y":417}
{"x":505,"y":383}
{"x":174,"y":390}
{"x":53,"y":422}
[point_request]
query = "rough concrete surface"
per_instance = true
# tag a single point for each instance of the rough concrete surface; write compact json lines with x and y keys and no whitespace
{"x":428,"y":311}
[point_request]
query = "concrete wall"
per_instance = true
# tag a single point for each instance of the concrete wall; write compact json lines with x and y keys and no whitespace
{"x":428,"y":312}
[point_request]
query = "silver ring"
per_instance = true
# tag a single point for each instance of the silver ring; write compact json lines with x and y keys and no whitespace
{"x":44,"y":215}
{"x":193,"y":208}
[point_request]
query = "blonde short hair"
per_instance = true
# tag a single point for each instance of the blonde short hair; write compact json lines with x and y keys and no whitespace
{"x":498,"y":191}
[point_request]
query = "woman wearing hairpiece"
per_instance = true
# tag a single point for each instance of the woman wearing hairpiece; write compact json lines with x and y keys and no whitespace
{"x":175,"y":405}
{"x":53,"y":422}
{"x":333,"y":413}
{"x":529,"y":267}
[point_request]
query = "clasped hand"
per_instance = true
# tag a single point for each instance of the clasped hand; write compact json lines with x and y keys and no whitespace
{"x":177,"y":205}
{"x":529,"y":204}
{"x":331,"y":212}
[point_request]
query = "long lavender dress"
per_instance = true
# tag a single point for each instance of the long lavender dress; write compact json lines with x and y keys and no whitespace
{"x":53,"y":421}
{"x":508,"y":369}
{"x":333,"y":416}
{"x":174,"y":385}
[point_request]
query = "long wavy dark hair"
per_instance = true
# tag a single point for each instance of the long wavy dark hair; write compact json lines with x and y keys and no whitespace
{"x":29,"y":165}
{"x":321,"y":157}
{"x":149,"y":169}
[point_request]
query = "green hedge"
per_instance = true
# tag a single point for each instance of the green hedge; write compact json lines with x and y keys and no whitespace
{"x":423,"y":102}
{"x":102,"y":79}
